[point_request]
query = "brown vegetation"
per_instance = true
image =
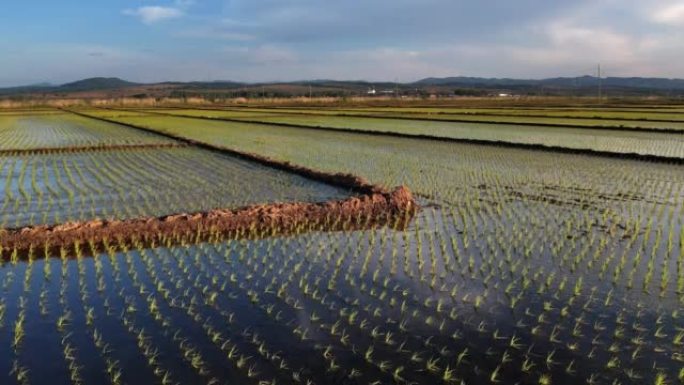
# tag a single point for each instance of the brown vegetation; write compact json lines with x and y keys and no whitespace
{"x":394,"y":208}
{"x":161,"y":99}
{"x":375,"y":206}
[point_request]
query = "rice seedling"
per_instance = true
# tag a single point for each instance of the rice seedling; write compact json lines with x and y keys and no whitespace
{"x":605,"y":118}
{"x":554,"y":135}
{"x":138,"y":183}
{"x":522,"y":267}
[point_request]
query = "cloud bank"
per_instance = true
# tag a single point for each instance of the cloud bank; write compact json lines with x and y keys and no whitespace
{"x":401,"y":40}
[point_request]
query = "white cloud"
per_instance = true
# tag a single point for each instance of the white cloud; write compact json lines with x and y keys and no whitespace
{"x":154,"y":14}
{"x":628,"y":37}
{"x":672,"y":14}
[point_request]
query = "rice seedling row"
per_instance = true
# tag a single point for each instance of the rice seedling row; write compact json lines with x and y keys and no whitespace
{"x":526,"y":267}
{"x":590,"y":107}
{"x":385,"y":301}
{"x":45,"y":150}
{"x":619,"y":203}
{"x":651,"y":123}
{"x":58,"y":188}
{"x":396,"y":161}
{"x":601,"y":141}
{"x":564,"y":115}
{"x":67,"y":130}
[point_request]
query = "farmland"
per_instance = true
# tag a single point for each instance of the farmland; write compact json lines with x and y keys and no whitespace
{"x":599,"y":140}
{"x":64,"y":131}
{"x":548,"y":249}
{"x":654,"y":120}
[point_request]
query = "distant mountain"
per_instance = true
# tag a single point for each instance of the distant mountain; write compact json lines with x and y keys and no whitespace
{"x":25,"y":89}
{"x":91,"y":84}
{"x":96,"y":84}
{"x":102,"y":87}
{"x":652,"y":83}
{"x":560,"y":82}
{"x":40,"y":85}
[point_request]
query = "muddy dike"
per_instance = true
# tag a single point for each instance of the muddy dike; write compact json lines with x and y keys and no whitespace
{"x":348,"y":181}
{"x":372,"y":210}
{"x":93,"y":148}
{"x":372,"y":206}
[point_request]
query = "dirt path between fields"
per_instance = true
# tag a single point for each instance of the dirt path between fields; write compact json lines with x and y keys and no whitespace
{"x":367,"y":211}
{"x":373,"y":206}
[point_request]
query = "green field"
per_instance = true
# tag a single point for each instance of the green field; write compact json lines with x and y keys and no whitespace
{"x":26,"y":132}
{"x":581,"y":119}
{"x":125,"y":182}
{"x":568,"y":114}
{"x":646,"y":143}
{"x":524,"y":265}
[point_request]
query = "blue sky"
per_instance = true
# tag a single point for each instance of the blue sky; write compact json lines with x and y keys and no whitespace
{"x":404,"y":40}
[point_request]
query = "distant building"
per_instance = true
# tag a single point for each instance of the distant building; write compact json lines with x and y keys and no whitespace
{"x":371,"y":91}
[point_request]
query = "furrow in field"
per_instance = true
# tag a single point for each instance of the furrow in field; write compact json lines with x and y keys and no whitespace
{"x":529,"y":267}
{"x":625,"y":144}
{"x":647,"y":123}
{"x":122,"y":184}
{"x":30,"y":132}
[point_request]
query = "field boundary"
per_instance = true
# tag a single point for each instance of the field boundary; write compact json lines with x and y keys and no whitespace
{"x":23,"y":114}
{"x":368,"y":211}
{"x":75,"y":149}
{"x":375,"y":206}
{"x":344,"y":180}
{"x":496,"y":143}
{"x":495,"y":115}
{"x":413,"y":118}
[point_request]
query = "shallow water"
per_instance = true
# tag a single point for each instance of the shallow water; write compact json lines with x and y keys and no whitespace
{"x":521,"y":265}
{"x":66,"y":130}
{"x":56,"y":188}
{"x":270,"y":293}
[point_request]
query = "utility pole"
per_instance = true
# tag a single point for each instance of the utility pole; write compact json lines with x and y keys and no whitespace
{"x":600,"y":85}
{"x":309,"y":91}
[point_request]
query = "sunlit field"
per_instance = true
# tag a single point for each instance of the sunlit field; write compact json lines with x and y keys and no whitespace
{"x":548,"y":247}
